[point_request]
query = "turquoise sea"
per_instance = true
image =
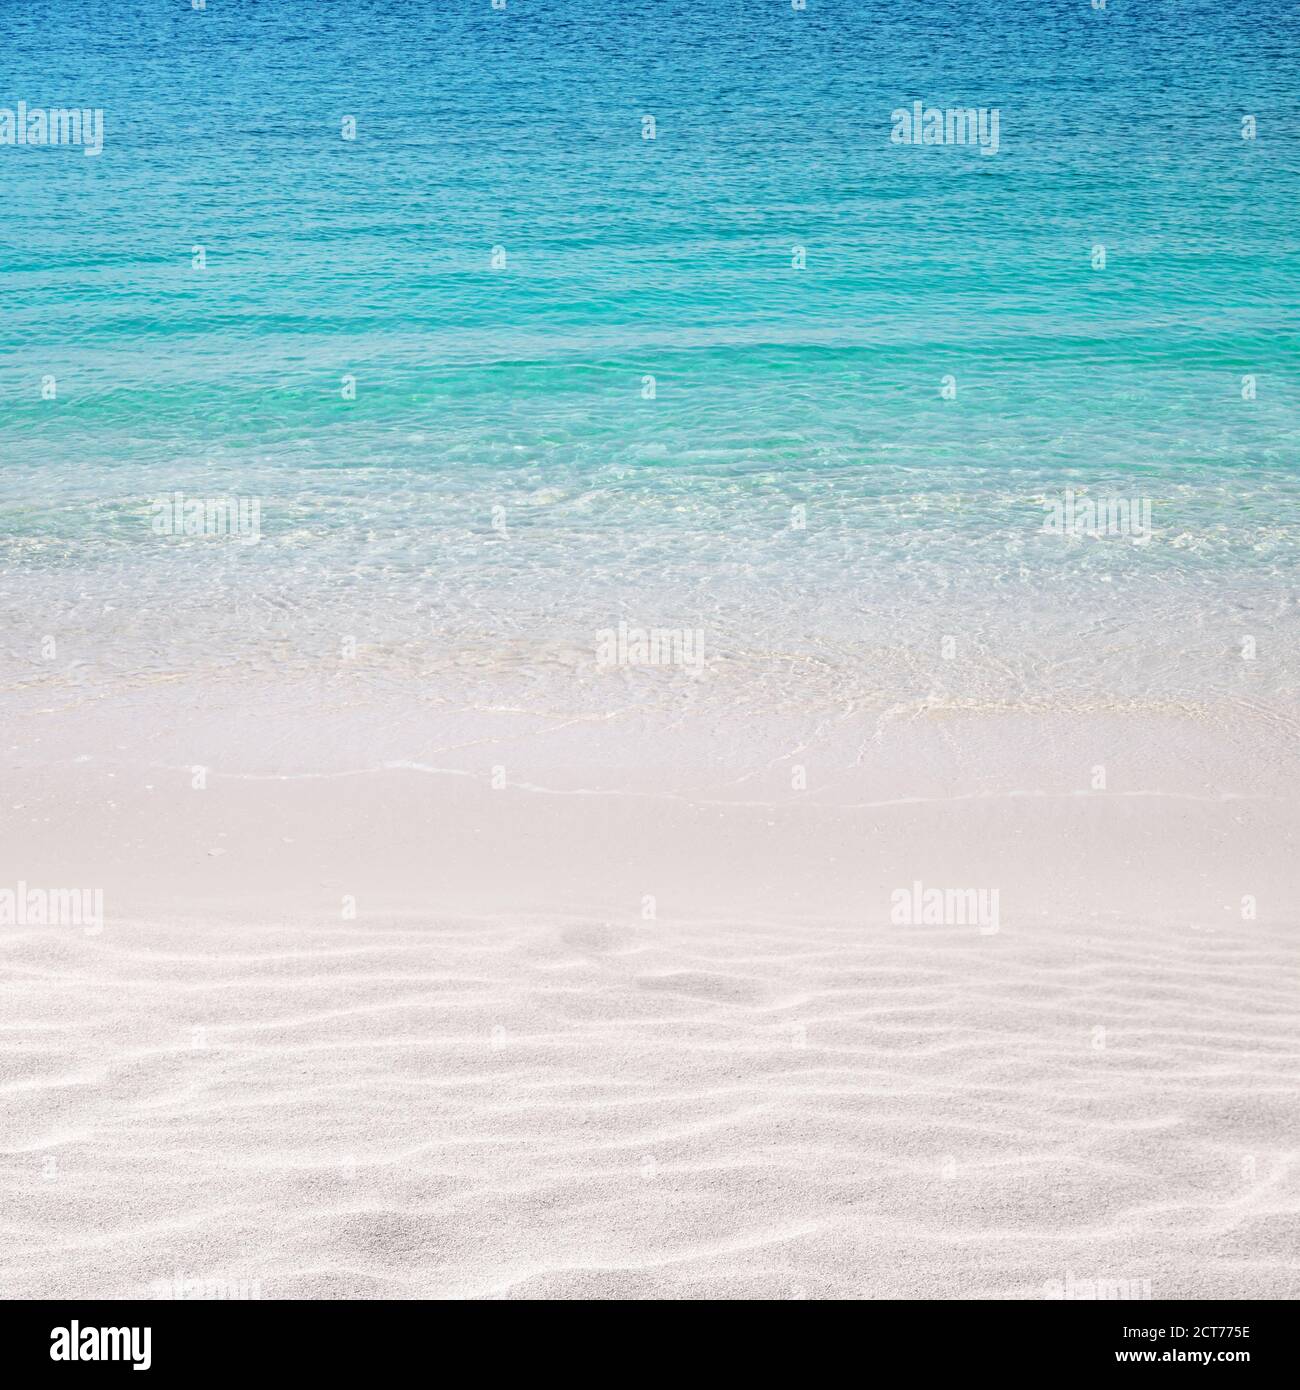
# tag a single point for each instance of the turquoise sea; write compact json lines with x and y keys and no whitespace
{"x":501,"y":371}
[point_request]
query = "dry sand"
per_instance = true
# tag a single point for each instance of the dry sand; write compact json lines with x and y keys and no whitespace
{"x":630,"y":1109}
{"x":584,"y":1041}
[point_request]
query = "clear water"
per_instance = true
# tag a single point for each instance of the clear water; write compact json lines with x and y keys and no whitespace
{"x":521,"y":387}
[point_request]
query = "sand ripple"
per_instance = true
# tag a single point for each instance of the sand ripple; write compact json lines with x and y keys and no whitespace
{"x":601,"y":1109}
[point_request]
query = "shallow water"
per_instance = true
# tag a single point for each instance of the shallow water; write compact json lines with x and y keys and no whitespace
{"x":501,"y":489}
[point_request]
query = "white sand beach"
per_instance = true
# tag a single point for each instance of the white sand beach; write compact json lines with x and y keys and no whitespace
{"x":650,"y":652}
{"x":400,"y":1033}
